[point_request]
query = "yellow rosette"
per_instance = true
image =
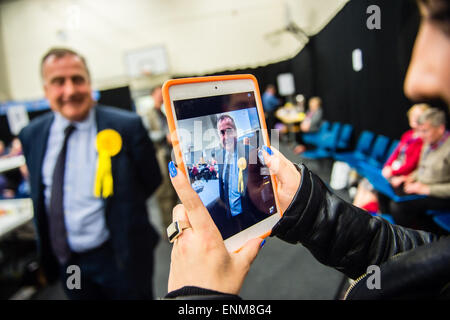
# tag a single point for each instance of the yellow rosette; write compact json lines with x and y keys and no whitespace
{"x":242,"y":164}
{"x":108,"y":144}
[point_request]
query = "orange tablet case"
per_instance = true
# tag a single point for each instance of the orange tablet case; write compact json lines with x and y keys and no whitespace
{"x":171,"y":119}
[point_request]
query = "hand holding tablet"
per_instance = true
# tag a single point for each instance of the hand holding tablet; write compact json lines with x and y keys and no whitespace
{"x":207,"y":252}
{"x":199,"y":257}
{"x":218,"y":129}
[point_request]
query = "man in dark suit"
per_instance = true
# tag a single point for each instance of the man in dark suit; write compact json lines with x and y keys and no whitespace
{"x":245,"y":193}
{"x":109,"y":237}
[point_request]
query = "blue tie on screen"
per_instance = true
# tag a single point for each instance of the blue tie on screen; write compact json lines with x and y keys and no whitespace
{"x":227,"y":181}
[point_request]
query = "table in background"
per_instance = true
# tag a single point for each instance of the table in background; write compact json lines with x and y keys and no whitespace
{"x":14,"y":213}
{"x":291,"y":118}
{"x":11,"y":163}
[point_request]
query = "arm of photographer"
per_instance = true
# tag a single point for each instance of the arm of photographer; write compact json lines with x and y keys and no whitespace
{"x":337,"y":234}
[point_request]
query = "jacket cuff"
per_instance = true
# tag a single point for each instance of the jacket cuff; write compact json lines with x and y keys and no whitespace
{"x":197,"y":293}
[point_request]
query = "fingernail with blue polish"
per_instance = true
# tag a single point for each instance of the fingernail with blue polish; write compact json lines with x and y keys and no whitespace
{"x":261,"y":157}
{"x":172,"y":169}
{"x":268,"y":150}
{"x":262,"y":243}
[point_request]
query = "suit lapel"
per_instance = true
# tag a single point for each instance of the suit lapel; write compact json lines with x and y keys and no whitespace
{"x":39,"y":151}
{"x":100,"y":119}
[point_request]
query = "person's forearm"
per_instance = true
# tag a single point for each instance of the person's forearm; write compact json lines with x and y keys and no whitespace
{"x":440,"y":190}
{"x":339,"y":234}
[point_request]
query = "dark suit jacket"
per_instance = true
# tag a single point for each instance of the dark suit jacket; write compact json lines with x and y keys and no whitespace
{"x":136,"y":176}
{"x":254,"y":207}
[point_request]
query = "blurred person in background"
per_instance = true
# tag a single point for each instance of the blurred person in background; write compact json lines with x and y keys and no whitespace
{"x":270,"y":105}
{"x":160,"y":135}
{"x":311,"y":123}
{"x":405,"y":157}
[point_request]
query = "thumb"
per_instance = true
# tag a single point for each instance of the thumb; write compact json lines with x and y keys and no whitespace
{"x":279,"y":165}
{"x":248,"y":253}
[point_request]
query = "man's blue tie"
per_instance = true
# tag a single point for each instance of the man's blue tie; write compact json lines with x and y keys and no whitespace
{"x":227,"y":182}
{"x":57,"y":226}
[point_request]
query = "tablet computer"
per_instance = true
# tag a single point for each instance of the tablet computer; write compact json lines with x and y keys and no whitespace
{"x":217,"y":129}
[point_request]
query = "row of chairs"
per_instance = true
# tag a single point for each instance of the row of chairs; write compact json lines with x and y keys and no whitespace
{"x":328,"y":139}
{"x":332,"y":139}
{"x":368,"y":158}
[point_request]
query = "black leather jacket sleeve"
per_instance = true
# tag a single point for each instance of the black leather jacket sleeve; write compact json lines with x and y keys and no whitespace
{"x":339,"y":234}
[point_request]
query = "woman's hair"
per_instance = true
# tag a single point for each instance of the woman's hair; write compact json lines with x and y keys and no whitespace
{"x":422,"y":106}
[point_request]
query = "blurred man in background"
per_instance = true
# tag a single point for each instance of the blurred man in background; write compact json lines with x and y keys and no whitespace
{"x":270,"y":105}
{"x":109,"y":237}
{"x":160,"y":135}
{"x":311,"y":123}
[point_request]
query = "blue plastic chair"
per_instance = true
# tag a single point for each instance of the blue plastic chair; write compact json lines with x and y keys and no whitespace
{"x":437,"y":212}
{"x":345,"y":136}
{"x":327,"y":144}
{"x":313,"y":138}
{"x":441,"y":218}
{"x":443,"y":221}
{"x":362,"y":150}
{"x":391,"y":149}
{"x":329,"y":139}
{"x":378,"y":153}
{"x":372,"y":167}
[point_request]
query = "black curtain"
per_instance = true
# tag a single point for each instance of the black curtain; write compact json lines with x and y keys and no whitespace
{"x":373,"y":98}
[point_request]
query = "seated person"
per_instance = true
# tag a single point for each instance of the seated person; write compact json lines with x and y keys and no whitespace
{"x":402,"y":161}
{"x":406,"y":156}
{"x":311,"y":123}
{"x":431,"y":178}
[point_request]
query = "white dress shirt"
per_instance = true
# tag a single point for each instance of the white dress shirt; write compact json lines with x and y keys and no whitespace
{"x":84,"y":213}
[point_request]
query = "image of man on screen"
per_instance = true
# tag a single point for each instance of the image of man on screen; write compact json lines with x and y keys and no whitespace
{"x":239,"y":172}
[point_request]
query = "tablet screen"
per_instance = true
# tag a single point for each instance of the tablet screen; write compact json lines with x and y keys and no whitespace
{"x":220,"y":137}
